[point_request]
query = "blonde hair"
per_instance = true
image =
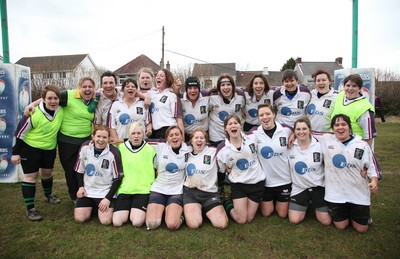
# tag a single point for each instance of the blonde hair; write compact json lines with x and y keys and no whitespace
{"x":134,"y":125}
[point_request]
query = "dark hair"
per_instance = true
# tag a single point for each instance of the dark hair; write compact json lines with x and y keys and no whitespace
{"x":108,"y":74}
{"x":231,"y":80}
{"x":355,"y":78}
{"x":344,"y":117}
{"x":51,"y":88}
{"x":320,"y":72}
{"x":127,"y":81}
{"x":305,"y":120}
{"x":232,"y":116}
{"x":289,"y":74}
{"x":249,"y":87}
{"x":169,"y":78}
{"x":171,"y":128}
{"x":101,"y":127}
{"x":273,"y":108}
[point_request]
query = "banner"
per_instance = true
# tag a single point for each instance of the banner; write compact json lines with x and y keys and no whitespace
{"x":15,"y":95}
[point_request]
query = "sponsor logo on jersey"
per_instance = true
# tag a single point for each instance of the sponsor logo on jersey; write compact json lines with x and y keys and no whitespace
{"x":339,"y":161}
{"x":90,"y":171}
{"x":267,"y":152}
{"x":192,"y":170}
{"x":288,"y":112}
{"x":244,"y":164}
{"x":301,"y":168}
{"x":172,"y":168}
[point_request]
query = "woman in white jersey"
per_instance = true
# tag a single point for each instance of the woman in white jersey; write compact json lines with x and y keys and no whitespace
{"x":272,"y":139}
{"x":307,"y":170}
{"x":200,"y":191}
{"x":257,"y":92}
{"x":166,"y":190}
{"x":126,"y":111}
{"x":348,"y":191}
{"x":238,"y":157}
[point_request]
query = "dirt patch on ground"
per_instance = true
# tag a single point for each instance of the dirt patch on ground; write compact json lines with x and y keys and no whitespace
{"x":389,"y":119}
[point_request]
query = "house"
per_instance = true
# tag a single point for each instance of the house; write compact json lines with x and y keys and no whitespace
{"x":130,"y":69}
{"x":274,"y":78}
{"x":63,"y":71}
{"x":208,"y":73}
{"x":306,"y":69}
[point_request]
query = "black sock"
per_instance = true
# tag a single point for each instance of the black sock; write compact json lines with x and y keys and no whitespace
{"x":28,"y":192}
{"x":47,"y":185}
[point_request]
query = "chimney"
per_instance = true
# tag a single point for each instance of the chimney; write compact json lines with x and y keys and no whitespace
{"x":168,"y":65}
{"x":339,"y":60}
{"x":265,"y":71}
{"x":298,"y":60}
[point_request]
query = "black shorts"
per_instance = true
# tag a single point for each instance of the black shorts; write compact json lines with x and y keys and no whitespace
{"x":277,"y":193}
{"x":207,"y":200}
{"x":252,"y":191}
{"x":132,"y":201}
{"x":315,"y":195}
{"x":34,"y":158}
{"x":86,"y":202}
{"x":343,"y":211}
{"x":164,"y":199}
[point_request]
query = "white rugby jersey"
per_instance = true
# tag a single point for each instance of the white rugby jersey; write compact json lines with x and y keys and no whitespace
{"x":343,"y":164}
{"x":244,"y":164}
{"x":273,"y":155}
{"x":219,"y":111}
{"x":202,"y":170}
{"x":121,"y":116}
{"x":102,"y":108}
{"x":291,"y":110}
{"x":170,"y":168}
{"x":306,"y":167}
{"x":99,"y":172}
{"x":319,"y":110}
{"x":251,"y":107}
{"x":163,"y":108}
{"x":196,"y":116}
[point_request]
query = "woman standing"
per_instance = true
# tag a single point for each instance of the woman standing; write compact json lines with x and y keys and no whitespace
{"x":35,"y":148}
{"x":348,"y":191}
{"x":200,"y":191}
{"x":166,"y":190}
{"x":133,"y":194}
{"x":307,"y":170}
{"x":223,"y":102}
{"x":257,"y":92}
{"x":126,"y":111}
{"x":272,"y":139}
{"x":239,"y":158}
{"x":99,"y":172}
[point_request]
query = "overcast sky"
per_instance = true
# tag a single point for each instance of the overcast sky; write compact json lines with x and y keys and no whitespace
{"x":253,"y":33}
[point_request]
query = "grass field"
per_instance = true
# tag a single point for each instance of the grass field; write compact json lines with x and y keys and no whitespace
{"x":58,"y":236}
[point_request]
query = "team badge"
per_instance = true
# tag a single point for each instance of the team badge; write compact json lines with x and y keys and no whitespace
{"x":252,"y":148}
{"x":317,"y":157}
{"x":358,"y":153}
{"x":105,"y":164}
{"x":237,"y":107}
{"x":267,"y":101}
{"x":207,"y":159}
{"x":327,"y":103}
{"x":165,"y":156}
{"x":186,"y":157}
{"x":163,"y":99}
{"x":139,"y":110}
{"x":300,"y":104}
{"x":203,"y":109}
{"x":282,"y":141}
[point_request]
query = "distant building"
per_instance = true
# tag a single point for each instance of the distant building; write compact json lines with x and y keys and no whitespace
{"x":63,"y":71}
{"x":208,"y":73}
{"x":306,"y":69}
{"x":131,"y":69}
{"x":274,"y":78}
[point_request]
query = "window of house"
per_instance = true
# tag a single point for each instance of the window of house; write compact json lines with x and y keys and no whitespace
{"x":208,"y":83}
{"x":47,"y":75}
{"x":63,"y":75}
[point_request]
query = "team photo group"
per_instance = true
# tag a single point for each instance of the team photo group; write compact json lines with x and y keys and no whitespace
{"x":158,"y":150}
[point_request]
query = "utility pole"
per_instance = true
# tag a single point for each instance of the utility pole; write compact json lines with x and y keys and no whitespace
{"x":4,"y":31}
{"x":162,"y":49}
{"x":355,"y":35}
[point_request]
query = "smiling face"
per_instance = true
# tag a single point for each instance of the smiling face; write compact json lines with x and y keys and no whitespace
{"x":233,"y":128}
{"x":290,"y":84}
{"x":130,"y":90}
{"x":322,"y":83}
{"x":226,"y":88}
{"x":108,"y":85}
{"x":198,"y":142}
{"x":136,"y":137}
{"x":145,"y":81}
{"x":161,"y":80}
{"x":341,"y":129}
{"x":266,"y":118}
{"x":51,"y":101}
{"x":175,"y":138}
{"x":258,"y":86}
{"x":100,"y":139}
{"x":193,"y":93}
{"x":302,"y":131}
{"x":351,"y":90}
{"x":87,"y":90}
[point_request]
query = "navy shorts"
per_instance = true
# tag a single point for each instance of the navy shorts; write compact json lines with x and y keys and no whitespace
{"x":207,"y":200}
{"x":252,"y":191}
{"x":314,"y":195}
{"x":164,"y":199}
{"x":86,"y":202}
{"x":277,"y":193}
{"x":34,"y":158}
{"x":132,"y":201}
{"x":343,"y":211}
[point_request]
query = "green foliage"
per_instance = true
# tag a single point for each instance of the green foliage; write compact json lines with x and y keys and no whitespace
{"x":390,"y":94}
{"x":290,"y":64}
{"x":58,"y":236}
